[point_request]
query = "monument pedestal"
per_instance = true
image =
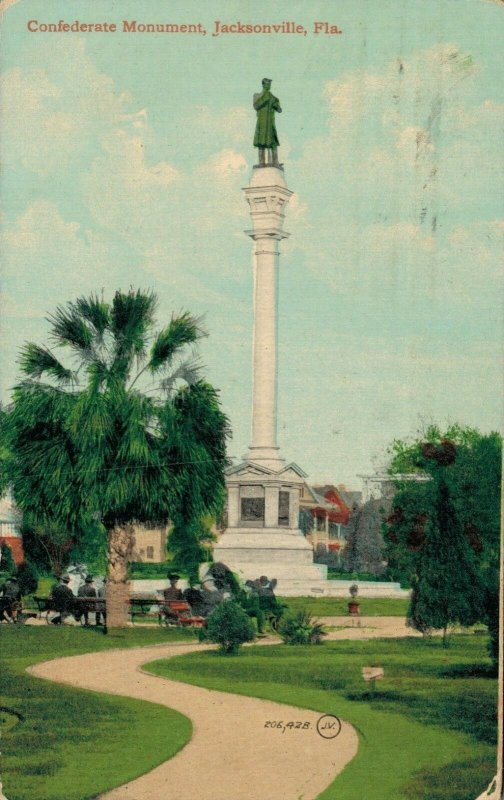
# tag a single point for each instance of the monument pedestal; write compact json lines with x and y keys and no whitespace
{"x":262,"y":536}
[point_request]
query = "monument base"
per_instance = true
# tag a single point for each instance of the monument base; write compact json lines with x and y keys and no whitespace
{"x":286,"y":556}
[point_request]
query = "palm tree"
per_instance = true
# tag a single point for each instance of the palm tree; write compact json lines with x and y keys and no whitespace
{"x":126,"y":432}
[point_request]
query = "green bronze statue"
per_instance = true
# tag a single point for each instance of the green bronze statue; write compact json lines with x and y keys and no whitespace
{"x":265,"y":137}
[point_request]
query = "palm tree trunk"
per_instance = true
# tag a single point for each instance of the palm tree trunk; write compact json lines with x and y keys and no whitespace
{"x":121,"y":541}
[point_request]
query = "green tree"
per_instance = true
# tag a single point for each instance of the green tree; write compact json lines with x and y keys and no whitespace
{"x":124,"y":432}
{"x":7,"y":563}
{"x":4,"y":451}
{"x":47,"y":544}
{"x":365,"y":548}
{"x":447,"y":586}
{"x":445,"y":532}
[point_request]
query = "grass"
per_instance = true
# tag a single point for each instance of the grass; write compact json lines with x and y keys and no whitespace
{"x":61,"y":743}
{"x":338,"y":606}
{"x":428,"y":732}
{"x":334,"y":573}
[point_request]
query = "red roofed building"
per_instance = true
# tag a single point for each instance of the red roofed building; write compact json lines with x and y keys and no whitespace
{"x":9,"y":529}
{"x":326,"y":510}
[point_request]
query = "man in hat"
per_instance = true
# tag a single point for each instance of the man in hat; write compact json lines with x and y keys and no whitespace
{"x":86,"y":590}
{"x":62,"y":600}
{"x":10,"y":604}
{"x":265,"y":137}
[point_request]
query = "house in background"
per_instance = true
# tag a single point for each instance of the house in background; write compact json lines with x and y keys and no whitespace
{"x":150,"y":544}
{"x":10,"y":533}
{"x":325,"y":513}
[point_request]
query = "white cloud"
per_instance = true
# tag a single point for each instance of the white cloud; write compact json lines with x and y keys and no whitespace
{"x":48,"y":258}
{"x":46,"y":124}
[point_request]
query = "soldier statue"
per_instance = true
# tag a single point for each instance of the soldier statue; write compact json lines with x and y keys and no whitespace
{"x":265,"y":137}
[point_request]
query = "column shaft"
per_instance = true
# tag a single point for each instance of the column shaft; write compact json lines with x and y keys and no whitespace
{"x":264,"y":403}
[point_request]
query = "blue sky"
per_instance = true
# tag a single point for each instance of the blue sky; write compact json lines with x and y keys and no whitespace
{"x":125,"y":154}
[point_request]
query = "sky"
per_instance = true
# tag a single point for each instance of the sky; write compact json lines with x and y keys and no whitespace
{"x":124,"y":158}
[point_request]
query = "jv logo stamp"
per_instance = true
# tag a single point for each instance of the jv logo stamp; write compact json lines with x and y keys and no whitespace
{"x":328,"y":726}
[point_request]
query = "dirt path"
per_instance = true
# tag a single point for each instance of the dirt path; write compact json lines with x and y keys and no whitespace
{"x":368,"y":627}
{"x":231,"y":754}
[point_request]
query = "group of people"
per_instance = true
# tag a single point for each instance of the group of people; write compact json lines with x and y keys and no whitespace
{"x":202,"y":597}
{"x":10,"y":600}
{"x":66,"y":604}
{"x":257,"y":597}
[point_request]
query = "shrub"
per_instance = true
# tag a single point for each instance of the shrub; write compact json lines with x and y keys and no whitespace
{"x":229,"y":627}
{"x":301,"y":628}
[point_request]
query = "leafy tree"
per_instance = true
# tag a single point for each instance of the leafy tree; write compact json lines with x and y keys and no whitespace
{"x":47,"y":544}
{"x":124,"y":432}
{"x":7,"y":563}
{"x":190,"y":543}
{"x":4,"y":451}
{"x":445,"y":532}
{"x":365,"y":548}
{"x":27,"y":576}
{"x":447,"y":587}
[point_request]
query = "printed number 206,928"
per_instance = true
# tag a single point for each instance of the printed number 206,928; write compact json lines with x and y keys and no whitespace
{"x":287,"y":725}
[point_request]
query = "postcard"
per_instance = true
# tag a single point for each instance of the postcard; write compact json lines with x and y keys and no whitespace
{"x":302,"y":200}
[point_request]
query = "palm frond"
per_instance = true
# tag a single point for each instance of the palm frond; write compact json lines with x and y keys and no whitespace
{"x":95,"y":311}
{"x":35,"y":361}
{"x":182,"y":330}
{"x":69,"y":329}
{"x":132,"y":316}
{"x":188,"y":371}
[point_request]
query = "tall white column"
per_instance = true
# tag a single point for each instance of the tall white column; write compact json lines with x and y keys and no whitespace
{"x":267,"y":196}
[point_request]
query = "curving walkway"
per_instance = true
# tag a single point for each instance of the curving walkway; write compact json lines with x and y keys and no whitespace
{"x":231,"y":754}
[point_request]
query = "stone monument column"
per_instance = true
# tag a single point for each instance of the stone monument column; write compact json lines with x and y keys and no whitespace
{"x":262,"y":536}
{"x":267,"y":196}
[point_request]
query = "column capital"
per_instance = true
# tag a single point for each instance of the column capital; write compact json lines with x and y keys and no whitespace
{"x":267,"y":233}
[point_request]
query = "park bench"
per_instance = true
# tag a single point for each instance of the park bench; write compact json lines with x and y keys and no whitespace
{"x":141,"y":607}
{"x":44,"y":606}
{"x":182,"y":615}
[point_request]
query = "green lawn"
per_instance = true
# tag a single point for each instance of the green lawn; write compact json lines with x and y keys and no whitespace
{"x":429,"y":732}
{"x":71,"y":744}
{"x":338,"y":606}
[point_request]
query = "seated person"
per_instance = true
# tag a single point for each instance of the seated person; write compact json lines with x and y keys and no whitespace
{"x":101,"y":608}
{"x":263,"y":590}
{"x":86,"y":590}
{"x":170,"y":594}
{"x":194,"y":597}
{"x":10,"y":603}
{"x":212,"y":597}
{"x":62,"y":600}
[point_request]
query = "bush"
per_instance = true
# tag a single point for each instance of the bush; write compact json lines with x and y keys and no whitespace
{"x":229,"y":627}
{"x":301,"y":628}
